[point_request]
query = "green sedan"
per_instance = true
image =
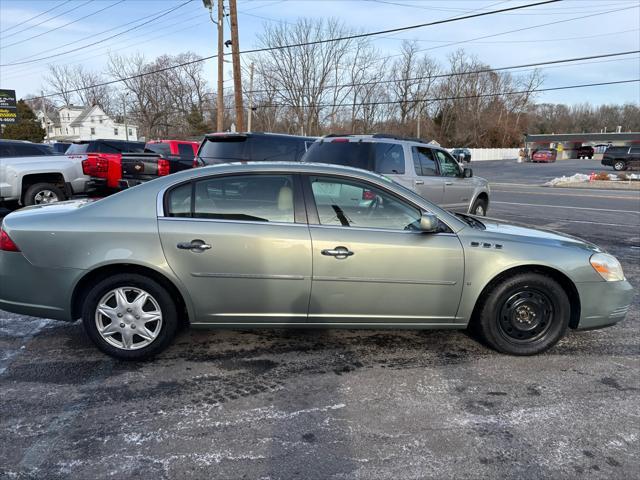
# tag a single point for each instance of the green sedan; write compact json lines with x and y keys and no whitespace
{"x":297,"y":245}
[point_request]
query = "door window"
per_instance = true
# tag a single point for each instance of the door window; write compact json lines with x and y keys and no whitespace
{"x":185,"y":150}
{"x":258,"y":198}
{"x":353,"y":204}
{"x":448,"y":166}
{"x":423,"y":161}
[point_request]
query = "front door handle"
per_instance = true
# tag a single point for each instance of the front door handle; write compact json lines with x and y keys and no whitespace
{"x":448,"y":183}
{"x":338,"y":252}
{"x":196,"y":245}
{"x":419,"y":182}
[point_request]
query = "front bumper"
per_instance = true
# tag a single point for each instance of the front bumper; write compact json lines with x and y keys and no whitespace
{"x":603,"y":303}
{"x":36,"y":291}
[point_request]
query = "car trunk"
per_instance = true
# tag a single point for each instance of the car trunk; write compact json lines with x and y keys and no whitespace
{"x":141,"y":167}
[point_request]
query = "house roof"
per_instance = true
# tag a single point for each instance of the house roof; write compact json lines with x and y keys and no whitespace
{"x":83,"y":115}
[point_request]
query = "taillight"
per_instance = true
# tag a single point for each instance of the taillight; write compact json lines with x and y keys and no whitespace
{"x":6,"y":243}
{"x":368,"y":195}
{"x":163,"y":167}
{"x":95,"y":165}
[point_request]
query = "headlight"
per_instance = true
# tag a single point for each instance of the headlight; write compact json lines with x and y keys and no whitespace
{"x":607,"y":266}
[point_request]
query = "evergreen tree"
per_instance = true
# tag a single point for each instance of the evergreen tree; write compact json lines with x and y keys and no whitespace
{"x":26,"y":128}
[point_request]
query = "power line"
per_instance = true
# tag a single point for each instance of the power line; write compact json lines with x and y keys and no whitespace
{"x":460,"y":97}
{"x":62,"y":26}
{"x":100,"y":41}
{"x":35,"y":16}
{"x":47,"y":20}
{"x":484,"y":70}
{"x":328,"y":40}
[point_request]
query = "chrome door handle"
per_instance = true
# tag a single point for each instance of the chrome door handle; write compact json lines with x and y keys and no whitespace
{"x":338,"y":252}
{"x":194,"y":245}
{"x":448,"y":183}
{"x":419,"y":182}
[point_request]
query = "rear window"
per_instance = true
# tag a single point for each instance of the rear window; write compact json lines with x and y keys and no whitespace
{"x":185,"y":150}
{"x":250,"y":148}
{"x":77,"y":149}
{"x":386,"y":158}
{"x":159,"y":148}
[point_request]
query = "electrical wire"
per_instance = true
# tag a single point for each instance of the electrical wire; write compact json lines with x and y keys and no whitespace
{"x":322,"y":41}
{"x":35,"y":16}
{"x":62,"y":26}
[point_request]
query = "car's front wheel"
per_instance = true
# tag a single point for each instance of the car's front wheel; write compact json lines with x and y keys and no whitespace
{"x":479,"y":207}
{"x":525,"y":314}
{"x":129,"y":316}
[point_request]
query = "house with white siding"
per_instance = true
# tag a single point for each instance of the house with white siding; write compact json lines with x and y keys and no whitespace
{"x":84,"y":123}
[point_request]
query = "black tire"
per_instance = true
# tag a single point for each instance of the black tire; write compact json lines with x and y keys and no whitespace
{"x":505,"y":321}
{"x":30,"y":196}
{"x":619,"y":165}
{"x":160,"y":295}
{"x":479,"y":207}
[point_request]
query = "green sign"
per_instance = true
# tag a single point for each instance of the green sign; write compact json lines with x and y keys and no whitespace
{"x":8,"y":110}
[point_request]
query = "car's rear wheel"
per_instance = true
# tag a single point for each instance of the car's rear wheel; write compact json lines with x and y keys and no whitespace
{"x":619,"y":165}
{"x":479,"y":207}
{"x":43,"y":193}
{"x":525,"y":314}
{"x":129,"y":316}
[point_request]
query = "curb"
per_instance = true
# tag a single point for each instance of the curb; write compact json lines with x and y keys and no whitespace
{"x":600,"y":184}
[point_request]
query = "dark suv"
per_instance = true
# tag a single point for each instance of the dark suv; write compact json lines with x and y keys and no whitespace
{"x":21,"y":148}
{"x":585,"y":151}
{"x":251,"y":147}
{"x":621,"y":158}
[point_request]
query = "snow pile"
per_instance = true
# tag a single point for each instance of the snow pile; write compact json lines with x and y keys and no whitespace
{"x":577,"y":178}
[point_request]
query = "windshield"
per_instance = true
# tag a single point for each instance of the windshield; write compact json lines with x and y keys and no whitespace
{"x":376,"y":157}
{"x":160,"y":148}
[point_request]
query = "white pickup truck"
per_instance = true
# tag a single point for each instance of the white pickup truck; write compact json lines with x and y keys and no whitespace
{"x":31,"y":174}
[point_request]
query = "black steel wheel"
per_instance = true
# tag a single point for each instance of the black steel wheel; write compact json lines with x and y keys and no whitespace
{"x":523,"y":314}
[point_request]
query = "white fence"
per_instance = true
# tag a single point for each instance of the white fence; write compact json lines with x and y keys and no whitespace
{"x":480,"y":154}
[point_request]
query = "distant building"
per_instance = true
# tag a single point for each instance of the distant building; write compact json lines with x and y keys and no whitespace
{"x":84,"y":123}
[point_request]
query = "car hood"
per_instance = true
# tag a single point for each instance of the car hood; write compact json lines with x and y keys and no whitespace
{"x":516,"y":232}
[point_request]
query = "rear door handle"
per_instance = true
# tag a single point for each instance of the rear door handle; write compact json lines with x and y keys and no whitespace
{"x":338,"y":252}
{"x":419,"y":182}
{"x":448,"y":183}
{"x":196,"y":245}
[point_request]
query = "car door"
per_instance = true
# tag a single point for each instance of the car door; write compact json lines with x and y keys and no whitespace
{"x":427,"y":182}
{"x":240,"y":245}
{"x":371,"y":264}
{"x":457,"y":189}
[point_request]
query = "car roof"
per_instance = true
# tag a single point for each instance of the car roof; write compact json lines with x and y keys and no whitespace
{"x":214,"y":135}
{"x":378,"y":138}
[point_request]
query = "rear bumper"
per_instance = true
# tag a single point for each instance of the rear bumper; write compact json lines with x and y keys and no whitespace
{"x":36,"y":291}
{"x":603,"y":303}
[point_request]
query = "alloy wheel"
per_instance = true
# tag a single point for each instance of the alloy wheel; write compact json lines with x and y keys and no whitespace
{"x":128,"y":318}
{"x":44,"y":197}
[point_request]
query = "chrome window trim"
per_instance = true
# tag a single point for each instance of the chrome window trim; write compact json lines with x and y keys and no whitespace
{"x":243,"y":222}
{"x":386,"y":230}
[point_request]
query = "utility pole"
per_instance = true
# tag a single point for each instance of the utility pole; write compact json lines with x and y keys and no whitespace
{"x":250,"y":113}
{"x":237,"y":74}
{"x":44,"y":115}
{"x":220,"y":99}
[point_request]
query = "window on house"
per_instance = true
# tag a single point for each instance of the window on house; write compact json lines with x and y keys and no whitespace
{"x":93,"y":131}
{"x":93,"y":119}
{"x":115,"y":131}
{"x":100,"y":120}
{"x":130,"y":132}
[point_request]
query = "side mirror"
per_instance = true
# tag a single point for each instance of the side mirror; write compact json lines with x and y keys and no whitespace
{"x":428,"y":223}
{"x":467,"y":173}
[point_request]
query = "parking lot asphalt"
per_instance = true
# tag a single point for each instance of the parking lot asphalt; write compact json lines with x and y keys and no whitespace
{"x":343,"y":404}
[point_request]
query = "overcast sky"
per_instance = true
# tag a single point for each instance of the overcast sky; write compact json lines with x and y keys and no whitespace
{"x":611,"y":26}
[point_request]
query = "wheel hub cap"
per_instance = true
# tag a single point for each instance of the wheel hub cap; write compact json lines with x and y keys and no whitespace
{"x":128,"y":318}
{"x":45,"y":196}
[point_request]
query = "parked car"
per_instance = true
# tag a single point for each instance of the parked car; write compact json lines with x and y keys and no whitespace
{"x":544,"y":155}
{"x":31,"y":174}
{"x":425,"y":168}
{"x":255,"y":147}
{"x":104,"y":160}
{"x":585,"y":151}
{"x":276,"y":244}
{"x":179,"y":153}
{"x":462,"y":154}
{"x":621,"y":158}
